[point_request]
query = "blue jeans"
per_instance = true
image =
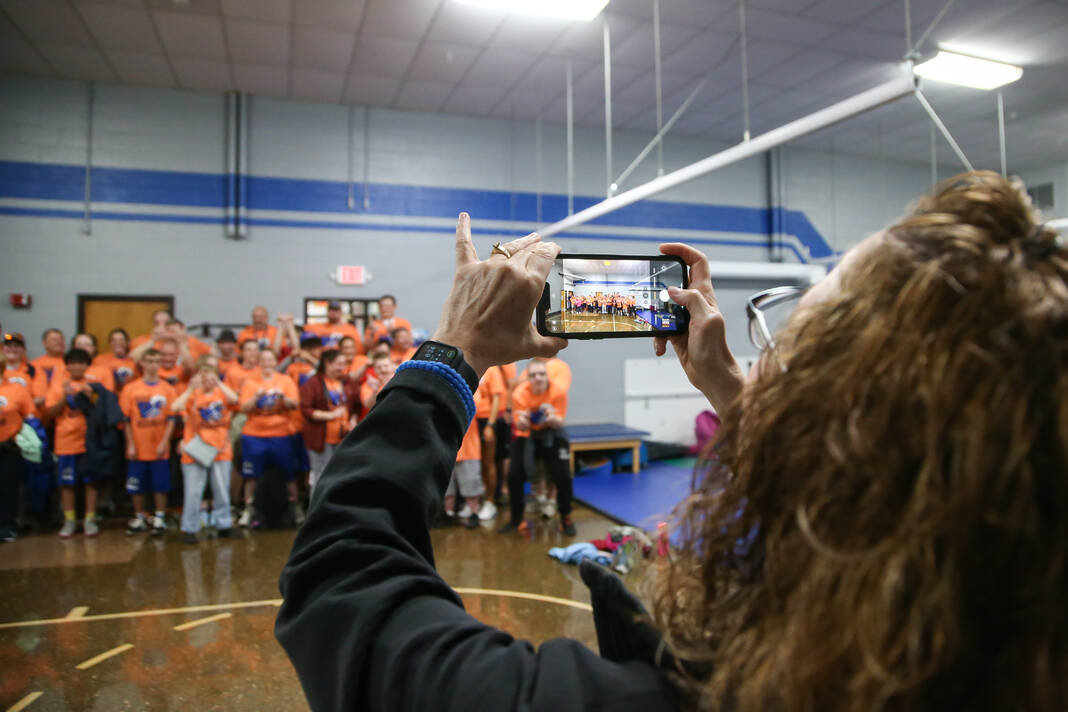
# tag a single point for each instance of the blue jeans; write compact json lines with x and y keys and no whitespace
{"x":194,"y":476}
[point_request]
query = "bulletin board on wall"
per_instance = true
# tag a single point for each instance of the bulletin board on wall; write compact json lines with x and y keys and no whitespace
{"x":358,"y":312}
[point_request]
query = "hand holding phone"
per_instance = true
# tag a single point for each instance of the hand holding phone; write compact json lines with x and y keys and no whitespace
{"x":599,"y":296}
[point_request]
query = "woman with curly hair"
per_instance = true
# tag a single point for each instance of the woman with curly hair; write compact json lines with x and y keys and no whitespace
{"x":881,"y":523}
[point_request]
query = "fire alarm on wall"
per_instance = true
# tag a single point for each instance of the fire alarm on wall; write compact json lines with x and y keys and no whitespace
{"x":21,"y":301}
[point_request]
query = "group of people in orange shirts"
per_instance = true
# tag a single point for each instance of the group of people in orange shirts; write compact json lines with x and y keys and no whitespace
{"x":601,"y":303}
{"x":166,"y":408}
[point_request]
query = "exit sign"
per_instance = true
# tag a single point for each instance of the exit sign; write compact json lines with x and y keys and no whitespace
{"x":350,"y":274}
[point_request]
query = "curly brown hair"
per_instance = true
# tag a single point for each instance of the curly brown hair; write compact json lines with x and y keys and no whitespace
{"x":885,"y":525}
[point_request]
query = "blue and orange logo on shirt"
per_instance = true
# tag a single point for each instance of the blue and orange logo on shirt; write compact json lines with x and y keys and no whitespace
{"x":212,"y":413}
{"x":269,"y":399}
{"x":152,"y":408}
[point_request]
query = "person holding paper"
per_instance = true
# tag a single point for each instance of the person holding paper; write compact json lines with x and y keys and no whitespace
{"x":206,"y":405}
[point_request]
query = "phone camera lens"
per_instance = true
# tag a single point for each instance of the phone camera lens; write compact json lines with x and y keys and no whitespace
{"x":451,"y":353}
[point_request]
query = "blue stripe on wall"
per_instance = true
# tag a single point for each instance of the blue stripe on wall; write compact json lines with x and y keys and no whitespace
{"x":42,"y":181}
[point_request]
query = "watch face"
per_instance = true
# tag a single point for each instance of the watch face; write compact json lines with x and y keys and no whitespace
{"x":440,"y":352}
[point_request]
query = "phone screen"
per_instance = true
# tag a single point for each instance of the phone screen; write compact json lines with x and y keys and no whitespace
{"x":601,"y":296}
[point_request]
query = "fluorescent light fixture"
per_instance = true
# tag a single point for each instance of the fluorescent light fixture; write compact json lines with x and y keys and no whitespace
{"x":968,"y":71}
{"x":581,"y":10}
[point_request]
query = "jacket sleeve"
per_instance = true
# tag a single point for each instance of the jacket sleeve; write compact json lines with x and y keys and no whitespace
{"x":307,"y":397}
{"x":367,"y":621}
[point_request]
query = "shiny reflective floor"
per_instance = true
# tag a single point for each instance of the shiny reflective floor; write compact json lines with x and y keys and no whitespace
{"x":122,"y":645}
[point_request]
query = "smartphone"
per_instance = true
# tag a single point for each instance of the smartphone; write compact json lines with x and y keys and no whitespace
{"x":595,"y":296}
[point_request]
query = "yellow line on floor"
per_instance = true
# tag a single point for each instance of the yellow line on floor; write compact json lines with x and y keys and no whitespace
{"x":78,"y":612}
{"x":202,"y":621}
{"x":139,"y":614}
{"x":528,"y":596}
{"x":269,"y":602}
{"x":103,"y":656}
{"x":24,"y":702}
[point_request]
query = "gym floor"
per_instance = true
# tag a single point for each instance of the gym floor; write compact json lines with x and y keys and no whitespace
{"x":585,"y":323}
{"x":141,"y":623}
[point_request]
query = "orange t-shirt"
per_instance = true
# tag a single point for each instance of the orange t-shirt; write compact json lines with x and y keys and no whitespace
{"x":15,"y":406}
{"x":508,"y":372}
{"x":359,"y":362}
{"x":559,"y":373}
{"x":300,"y":371}
{"x":207,"y":415}
{"x":46,"y":366}
{"x":20,"y":376}
{"x":399,"y":356}
{"x":70,"y":423}
{"x":525,"y":400}
{"x":471,"y":445}
{"x":492,"y":384}
{"x":177,"y":377}
{"x":237,"y":375}
{"x":264,"y":337}
{"x":147,"y":407}
{"x":384,"y":327}
{"x":332,"y":334}
{"x":123,"y":370}
{"x":269,"y":419}
{"x":225,"y":366}
{"x":335,"y":393}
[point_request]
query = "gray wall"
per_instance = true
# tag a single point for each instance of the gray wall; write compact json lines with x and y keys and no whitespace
{"x":217,"y":279}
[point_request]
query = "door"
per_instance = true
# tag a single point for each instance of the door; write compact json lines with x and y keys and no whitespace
{"x":98,"y":314}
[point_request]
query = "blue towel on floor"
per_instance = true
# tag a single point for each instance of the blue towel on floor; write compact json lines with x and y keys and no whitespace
{"x":577,"y":552}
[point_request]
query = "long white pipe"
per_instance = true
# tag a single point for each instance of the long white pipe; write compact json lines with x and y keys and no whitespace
{"x":865,"y":101}
{"x":1059,"y":224}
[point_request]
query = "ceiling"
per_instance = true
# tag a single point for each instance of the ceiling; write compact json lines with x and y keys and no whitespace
{"x":444,"y":56}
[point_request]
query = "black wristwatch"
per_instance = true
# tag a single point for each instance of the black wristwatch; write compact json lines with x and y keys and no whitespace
{"x":437,"y":352}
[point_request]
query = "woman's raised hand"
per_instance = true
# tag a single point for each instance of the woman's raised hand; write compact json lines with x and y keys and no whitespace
{"x":488,"y":313}
{"x":703,"y":351}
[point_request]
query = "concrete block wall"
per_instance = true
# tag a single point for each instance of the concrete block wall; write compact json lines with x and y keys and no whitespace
{"x":170,"y":240}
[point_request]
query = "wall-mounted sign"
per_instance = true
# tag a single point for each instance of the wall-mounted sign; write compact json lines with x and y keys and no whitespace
{"x":350,"y":274}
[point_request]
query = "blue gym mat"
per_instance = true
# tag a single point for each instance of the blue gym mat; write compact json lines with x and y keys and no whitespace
{"x":641,"y":500}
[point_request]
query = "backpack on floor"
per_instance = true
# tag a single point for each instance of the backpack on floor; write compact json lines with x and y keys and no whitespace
{"x":270,"y":502}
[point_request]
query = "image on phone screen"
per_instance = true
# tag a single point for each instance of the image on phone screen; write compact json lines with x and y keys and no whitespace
{"x":614,"y":295}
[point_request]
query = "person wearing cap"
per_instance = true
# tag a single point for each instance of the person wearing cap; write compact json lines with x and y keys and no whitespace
{"x":17,"y":370}
{"x":226,"y":344}
{"x":123,"y":368}
{"x":386,"y":322}
{"x":335,"y":329}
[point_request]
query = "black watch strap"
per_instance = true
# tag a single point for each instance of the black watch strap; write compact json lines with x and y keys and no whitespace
{"x":437,"y":352}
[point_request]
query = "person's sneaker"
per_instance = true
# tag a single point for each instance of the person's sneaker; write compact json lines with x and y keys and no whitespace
{"x":464,"y":513}
{"x":7,"y":536}
{"x":548,"y":510}
{"x":442,"y":520}
{"x":472,"y":521}
{"x":298,"y":513}
{"x":137,"y":525}
{"x":91,"y":527}
{"x":189,"y":538}
{"x":67,"y":530}
{"x":246,"y":518}
{"x":508,"y":528}
{"x":567,"y":526}
{"x":158,"y":526}
{"x":488,"y":511}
